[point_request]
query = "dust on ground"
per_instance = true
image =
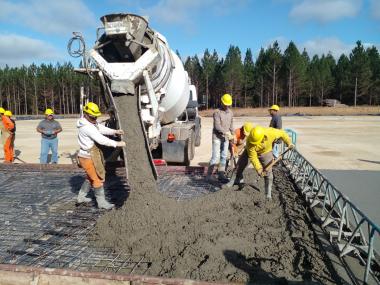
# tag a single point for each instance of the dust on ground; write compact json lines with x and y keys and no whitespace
{"x":303,"y":111}
{"x":235,"y":236}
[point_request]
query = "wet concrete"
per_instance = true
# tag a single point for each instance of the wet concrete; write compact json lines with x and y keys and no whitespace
{"x":363,"y":188}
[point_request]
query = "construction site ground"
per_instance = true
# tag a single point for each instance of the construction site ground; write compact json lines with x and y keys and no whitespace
{"x":345,"y":148}
{"x":187,"y":229}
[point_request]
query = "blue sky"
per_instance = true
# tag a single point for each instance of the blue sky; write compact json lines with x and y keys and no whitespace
{"x":38,"y":30}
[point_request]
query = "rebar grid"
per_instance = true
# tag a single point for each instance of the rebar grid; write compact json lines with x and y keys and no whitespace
{"x":41,"y":225}
{"x":182,"y":186}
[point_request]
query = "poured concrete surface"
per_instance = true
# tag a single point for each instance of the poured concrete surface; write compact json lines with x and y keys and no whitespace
{"x":346,"y":149}
{"x":339,"y":143}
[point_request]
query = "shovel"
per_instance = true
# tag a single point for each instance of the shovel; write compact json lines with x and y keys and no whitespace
{"x":273,"y":162}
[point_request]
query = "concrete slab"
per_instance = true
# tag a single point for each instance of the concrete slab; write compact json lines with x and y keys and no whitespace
{"x":341,"y":143}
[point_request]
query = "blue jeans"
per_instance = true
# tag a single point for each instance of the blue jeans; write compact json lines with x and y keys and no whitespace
{"x":46,"y":145}
{"x":219,"y":151}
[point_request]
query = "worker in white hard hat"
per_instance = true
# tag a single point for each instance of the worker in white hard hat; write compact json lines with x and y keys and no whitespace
{"x":222,"y":133}
{"x":258,"y":151}
{"x":91,"y":134}
{"x":49,"y":128}
{"x":275,"y":122}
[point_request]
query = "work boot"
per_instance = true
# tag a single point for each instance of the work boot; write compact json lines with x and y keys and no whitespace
{"x":83,"y":193}
{"x":268,"y":186}
{"x":101,"y":199}
{"x":222,"y":174}
{"x":210,"y":171}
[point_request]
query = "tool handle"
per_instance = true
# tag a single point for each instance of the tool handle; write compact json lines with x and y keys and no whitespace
{"x":273,"y":162}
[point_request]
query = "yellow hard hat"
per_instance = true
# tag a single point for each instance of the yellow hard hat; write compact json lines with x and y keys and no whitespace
{"x":247,"y":127}
{"x":49,"y":111}
{"x":256,"y":135}
{"x":8,"y":113}
{"x":227,"y":100}
{"x":275,"y":107}
{"x":2,"y":110}
{"x":92,"y":109}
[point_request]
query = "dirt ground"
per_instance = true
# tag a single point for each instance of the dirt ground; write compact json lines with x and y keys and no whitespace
{"x":304,"y":111}
{"x":225,"y":236}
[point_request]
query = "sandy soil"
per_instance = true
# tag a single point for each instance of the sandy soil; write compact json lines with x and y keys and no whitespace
{"x":225,"y":236}
{"x":304,"y":111}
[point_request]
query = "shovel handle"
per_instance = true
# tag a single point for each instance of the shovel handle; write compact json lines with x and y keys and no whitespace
{"x":269,"y":165}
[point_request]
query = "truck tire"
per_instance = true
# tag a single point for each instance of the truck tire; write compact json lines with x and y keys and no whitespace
{"x":189,"y":149}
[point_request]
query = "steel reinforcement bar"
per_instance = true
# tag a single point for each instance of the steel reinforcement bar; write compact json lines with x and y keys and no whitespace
{"x":351,"y":232}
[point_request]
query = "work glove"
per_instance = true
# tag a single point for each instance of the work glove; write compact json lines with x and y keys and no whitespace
{"x":229,"y":136}
{"x":119,"y":132}
{"x":291,"y":146}
{"x":261,"y":172}
{"x":120,"y":144}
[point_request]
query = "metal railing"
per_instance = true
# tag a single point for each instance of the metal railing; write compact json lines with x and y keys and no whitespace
{"x":351,"y":232}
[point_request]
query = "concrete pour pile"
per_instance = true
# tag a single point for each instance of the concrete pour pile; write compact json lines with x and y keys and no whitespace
{"x":226,"y":236}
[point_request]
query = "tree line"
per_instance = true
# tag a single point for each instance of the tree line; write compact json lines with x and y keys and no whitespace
{"x":31,"y":89}
{"x":289,"y":78}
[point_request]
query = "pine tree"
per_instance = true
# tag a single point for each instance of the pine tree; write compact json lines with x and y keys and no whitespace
{"x":374,"y":90}
{"x":342,"y":78}
{"x":233,"y":74}
{"x":295,"y":73}
{"x":249,"y":70}
{"x":274,"y":59}
{"x":360,"y":72}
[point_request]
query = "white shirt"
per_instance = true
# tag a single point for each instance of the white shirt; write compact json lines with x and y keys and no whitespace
{"x":90,"y":133}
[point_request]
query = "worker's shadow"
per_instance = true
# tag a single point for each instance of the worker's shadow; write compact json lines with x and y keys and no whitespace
{"x":256,"y":275}
{"x":115,"y":188}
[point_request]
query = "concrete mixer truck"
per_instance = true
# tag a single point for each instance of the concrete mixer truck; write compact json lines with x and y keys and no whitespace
{"x":129,"y":58}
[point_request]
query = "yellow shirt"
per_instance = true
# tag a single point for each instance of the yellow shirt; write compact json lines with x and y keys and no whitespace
{"x":270,"y":135}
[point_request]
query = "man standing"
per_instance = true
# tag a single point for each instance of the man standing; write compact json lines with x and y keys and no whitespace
{"x":258,"y":150}
{"x":90,"y":136}
{"x":49,"y":128}
{"x":276,"y":123}
{"x":9,"y":136}
{"x":222,"y":133}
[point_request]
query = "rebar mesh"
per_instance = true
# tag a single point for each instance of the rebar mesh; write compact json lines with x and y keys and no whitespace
{"x":42,"y":226}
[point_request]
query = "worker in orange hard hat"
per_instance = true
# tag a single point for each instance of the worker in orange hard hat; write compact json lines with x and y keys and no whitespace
{"x":9,"y":130}
{"x":275,"y":122}
{"x":258,"y":151}
{"x":222,"y":134}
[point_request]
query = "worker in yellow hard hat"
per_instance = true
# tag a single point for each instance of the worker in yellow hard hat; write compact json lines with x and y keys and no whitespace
{"x":9,"y":136}
{"x":91,"y":134}
{"x":49,"y":128}
{"x":2,"y":130}
{"x":222,"y":133}
{"x":258,"y":151}
{"x":275,"y":122}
